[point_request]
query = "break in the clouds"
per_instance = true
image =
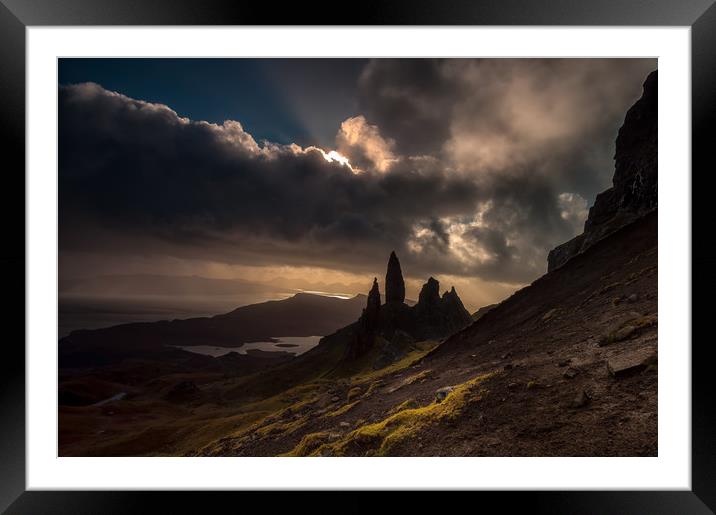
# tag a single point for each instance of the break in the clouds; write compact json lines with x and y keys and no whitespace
{"x":471,"y":168}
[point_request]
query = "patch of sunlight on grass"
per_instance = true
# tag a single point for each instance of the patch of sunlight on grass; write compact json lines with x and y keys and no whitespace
{"x":380,"y":437}
{"x":406,"y":361}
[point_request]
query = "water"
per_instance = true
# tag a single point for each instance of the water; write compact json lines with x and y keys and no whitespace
{"x":298,"y":345}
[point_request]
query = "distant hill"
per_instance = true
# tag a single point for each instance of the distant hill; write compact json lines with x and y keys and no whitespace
{"x":303,"y":314}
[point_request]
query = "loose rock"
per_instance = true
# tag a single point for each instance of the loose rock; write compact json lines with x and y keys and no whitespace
{"x":631,"y":362}
{"x":570,"y":373}
{"x":443,"y":392}
{"x":580,"y":400}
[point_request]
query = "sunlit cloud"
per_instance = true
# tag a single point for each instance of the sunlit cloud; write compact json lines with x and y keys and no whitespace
{"x":365,"y":145}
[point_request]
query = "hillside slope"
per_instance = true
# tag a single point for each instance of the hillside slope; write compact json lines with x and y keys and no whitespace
{"x":530,"y":377}
{"x":565,"y":367}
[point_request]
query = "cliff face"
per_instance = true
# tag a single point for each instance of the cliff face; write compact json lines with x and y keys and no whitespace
{"x":634,"y":190}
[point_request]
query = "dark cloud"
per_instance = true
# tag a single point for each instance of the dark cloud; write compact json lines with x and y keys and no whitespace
{"x":473,"y":168}
{"x":554,"y":116}
{"x":135,"y":177}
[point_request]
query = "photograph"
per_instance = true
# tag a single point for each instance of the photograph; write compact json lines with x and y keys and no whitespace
{"x":357,"y":257}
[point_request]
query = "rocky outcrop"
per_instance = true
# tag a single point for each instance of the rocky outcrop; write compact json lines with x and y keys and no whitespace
{"x":394,"y":284}
{"x":634,"y":190}
{"x":429,"y":296}
{"x":456,"y":317}
{"x":395,"y":325}
{"x":437,"y":316}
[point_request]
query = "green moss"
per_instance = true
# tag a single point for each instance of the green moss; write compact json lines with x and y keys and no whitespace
{"x":422,"y":348}
{"x":383,"y":436}
{"x":280,"y":427}
{"x":354,"y":392}
{"x":373,"y":387}
{"x":343,"y":409}
{"x":425,"y":374}
{"x":409,"y":404}
{"x":308,"y":444}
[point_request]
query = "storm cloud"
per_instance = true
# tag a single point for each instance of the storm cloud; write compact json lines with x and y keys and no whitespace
{"x":470,"y":168}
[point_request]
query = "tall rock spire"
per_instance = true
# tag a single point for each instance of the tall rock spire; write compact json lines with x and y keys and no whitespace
{"x":394,"y":284}
{"x":368,"y":325}
{"x":372,"y":310}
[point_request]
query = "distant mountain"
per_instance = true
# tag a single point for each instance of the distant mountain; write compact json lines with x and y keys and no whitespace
{"x":301,"y":315}
{"x":304,"y":314}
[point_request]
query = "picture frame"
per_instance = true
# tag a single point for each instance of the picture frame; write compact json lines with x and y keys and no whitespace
{"x":17,"y":15}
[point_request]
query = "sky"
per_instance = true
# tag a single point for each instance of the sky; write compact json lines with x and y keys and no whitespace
{"x":310,"y":171}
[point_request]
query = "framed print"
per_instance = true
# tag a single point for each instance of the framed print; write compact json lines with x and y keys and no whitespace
{"x":423,"y":251}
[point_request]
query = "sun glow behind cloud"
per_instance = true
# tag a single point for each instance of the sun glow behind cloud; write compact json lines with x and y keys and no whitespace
{"x":335,"y":157}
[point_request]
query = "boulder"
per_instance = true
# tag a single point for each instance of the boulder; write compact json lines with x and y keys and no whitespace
{"x":630,"y":362}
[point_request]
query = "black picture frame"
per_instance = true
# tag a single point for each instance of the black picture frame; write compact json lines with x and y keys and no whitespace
{"x":17,"y":15}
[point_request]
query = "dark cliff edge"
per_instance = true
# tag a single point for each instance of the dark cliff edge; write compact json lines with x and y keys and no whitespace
{"x":634,"y":190}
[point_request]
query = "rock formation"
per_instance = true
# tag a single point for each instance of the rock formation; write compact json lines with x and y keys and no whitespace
{"x":371,"y":314}
{"x":397,"y":325}
{"x":429,"y":296}
{"x":456,"y":317}
{"x":394,"y":284}
{"x":368,"y":324}
{"x":634,"y":190}
{"x":437,"y":316}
